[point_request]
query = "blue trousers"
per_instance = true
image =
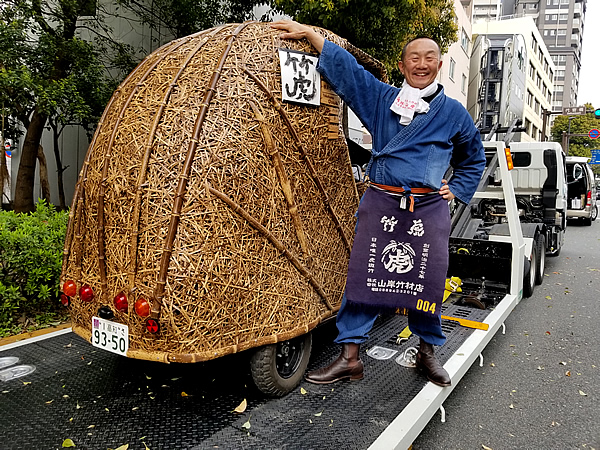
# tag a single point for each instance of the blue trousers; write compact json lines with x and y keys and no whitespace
{"x":354,"y":323}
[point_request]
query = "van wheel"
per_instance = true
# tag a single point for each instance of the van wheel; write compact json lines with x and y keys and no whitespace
{"x":278,"y":368}
{"x":595,"y":213}
{"x":529,"y":278}
{"x":540,"y":247}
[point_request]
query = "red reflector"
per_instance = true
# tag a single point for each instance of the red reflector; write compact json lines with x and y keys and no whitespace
{"x":70,"y":288}
{"x":65,"y":300}
{"x":120,"y":302}
{"x":152,"y":326}
{"x":86,"y":293}
{"x":142,"y":307}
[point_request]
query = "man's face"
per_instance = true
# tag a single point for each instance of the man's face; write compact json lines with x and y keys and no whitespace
{"x":420,"y":63}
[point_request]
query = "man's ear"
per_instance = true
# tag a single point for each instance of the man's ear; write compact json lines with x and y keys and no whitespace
{"x":440,"y":65}
{"x":401,"y":66}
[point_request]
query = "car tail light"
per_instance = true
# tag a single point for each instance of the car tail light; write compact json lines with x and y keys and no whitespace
{"x":120,"y":302}
{"x":65,"y":299}
{"x":86,"y":293}
{"x":142,"y":307}
{"x":152,"y":326}
{"x":589,"y":198}
{"x":70,"y":288}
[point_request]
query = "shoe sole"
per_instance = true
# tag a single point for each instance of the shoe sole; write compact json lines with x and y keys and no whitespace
{"x":349,"y":377}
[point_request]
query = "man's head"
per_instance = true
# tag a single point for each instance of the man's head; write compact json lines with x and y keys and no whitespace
{"x":421,"y":61}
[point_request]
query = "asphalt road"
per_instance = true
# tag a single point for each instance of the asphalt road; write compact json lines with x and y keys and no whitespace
{"x":539,"y":387}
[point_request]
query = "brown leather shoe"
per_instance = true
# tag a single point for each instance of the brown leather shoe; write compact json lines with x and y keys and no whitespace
{"x":347,"y":366}
{"x":430,"y":366}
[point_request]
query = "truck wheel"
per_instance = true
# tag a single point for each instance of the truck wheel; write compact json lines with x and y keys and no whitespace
{"x":278,"y":368}
{"x":529,"y":278}
{"x":540,"y":247}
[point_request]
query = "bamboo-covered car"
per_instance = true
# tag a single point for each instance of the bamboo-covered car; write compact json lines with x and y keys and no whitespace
{"x":209,"y":216}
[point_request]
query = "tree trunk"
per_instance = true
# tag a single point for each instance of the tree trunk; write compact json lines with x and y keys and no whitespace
{"x":44,"y":183}
{"x":26,"y":174}
{"x":59,"y":168}
{"x":4,"y":180}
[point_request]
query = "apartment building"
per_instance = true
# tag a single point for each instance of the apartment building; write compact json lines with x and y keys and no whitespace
{"x":454,"y":75}
{"x":561,"y":24}
{"x":540,"y":72}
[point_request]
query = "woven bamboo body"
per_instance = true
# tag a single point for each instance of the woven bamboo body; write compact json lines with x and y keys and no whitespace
{"x":230,"y":211}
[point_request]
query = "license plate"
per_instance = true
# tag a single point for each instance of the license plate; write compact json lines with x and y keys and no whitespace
{"x":110,"y":336}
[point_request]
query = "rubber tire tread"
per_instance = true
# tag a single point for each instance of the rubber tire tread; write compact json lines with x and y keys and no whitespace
{"x":528,"y":286}
{"x":264,"y":371}
{"x":540,"y":247}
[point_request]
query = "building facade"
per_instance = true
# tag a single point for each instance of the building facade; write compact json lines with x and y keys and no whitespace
{"x":539,"y":73}
{"x":454,"y":75}
{"x":561,"y":24}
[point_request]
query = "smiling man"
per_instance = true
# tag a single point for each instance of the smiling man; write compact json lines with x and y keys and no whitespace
{"x":400,"y":252}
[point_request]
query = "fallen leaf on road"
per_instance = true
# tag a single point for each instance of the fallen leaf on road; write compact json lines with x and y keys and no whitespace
{"x":568,"y":373}
{"x":68,"y":443}
{"x":320,"y":413}
{"x":303,"y":391}
{"x":241,"y":407}
{"x":246,"y":424}
{"x":582,"y":393}
{"x":511,"y":406}
{"x":485,"y":447}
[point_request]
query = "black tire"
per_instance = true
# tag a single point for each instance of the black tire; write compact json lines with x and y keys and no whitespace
{"x":278,"y":368}
{"x":595,"y":213}
{"x":529,"y":276}
{"x":540,"y":246}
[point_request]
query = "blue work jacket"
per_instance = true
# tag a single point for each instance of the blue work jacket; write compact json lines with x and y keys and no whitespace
{"x":415,"y":155}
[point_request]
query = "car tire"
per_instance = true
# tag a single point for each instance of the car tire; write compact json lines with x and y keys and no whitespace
{"x":278,"y":368}
{"x":529,"y":277}
{"x":540,"y":246}
{"x":595,"y":213}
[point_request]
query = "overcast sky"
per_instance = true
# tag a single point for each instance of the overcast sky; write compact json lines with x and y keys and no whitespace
{"x":589,"y":79}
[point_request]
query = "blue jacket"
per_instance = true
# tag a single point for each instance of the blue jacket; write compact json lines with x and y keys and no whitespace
{"x":415,"y":155}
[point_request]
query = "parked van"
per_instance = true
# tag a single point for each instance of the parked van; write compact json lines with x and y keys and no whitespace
{"x":581,"y":190}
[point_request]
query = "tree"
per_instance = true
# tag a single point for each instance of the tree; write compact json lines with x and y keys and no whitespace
{"x":184,"y":17}
{"x":380,"y":28}
{"x":578,"y":145}
{"x":47,"y":72}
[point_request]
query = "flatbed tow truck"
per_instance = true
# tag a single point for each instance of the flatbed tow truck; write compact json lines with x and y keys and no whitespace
{"x":58,"y":389}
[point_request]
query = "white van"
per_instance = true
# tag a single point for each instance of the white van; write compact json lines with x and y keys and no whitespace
{"x":581,"y":190}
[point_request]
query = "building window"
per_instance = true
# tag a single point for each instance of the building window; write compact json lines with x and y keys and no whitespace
{"x":463,"y":84}
{"x":531,"y":71}
{"x":451,"y":69}
{"x":538,"y":81}
{"x":529,"y":98}
{"x":464,"y":41}
{"x":536,"y":108}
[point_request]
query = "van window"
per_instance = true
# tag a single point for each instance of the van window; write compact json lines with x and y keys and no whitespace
{"x":521,"y":159}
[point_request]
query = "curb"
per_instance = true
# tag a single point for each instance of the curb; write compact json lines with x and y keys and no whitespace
{"x":32,"y":334}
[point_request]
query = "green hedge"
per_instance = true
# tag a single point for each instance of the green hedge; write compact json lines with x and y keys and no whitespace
{"x":31,"y":247}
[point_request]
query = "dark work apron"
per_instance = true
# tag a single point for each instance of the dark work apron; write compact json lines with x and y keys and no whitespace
{"x":399,"y":258}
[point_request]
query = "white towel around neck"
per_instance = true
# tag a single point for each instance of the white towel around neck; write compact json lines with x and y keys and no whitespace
{"x":410,"y":100}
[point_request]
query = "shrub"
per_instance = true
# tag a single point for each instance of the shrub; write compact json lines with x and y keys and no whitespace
{"x":31,"y":248}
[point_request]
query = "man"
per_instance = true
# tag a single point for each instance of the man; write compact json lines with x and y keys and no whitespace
{"x":417,"y":132}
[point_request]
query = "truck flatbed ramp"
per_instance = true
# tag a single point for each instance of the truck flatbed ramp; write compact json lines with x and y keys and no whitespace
{"x":101,"y":400}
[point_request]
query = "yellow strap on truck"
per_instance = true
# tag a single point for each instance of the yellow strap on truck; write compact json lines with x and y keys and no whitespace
{"x":468,"y":323}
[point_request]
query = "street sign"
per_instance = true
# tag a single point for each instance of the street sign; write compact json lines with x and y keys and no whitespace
{"x":574,"y":110}
{"x":595,"y":157}
{"x":594,"y":133}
